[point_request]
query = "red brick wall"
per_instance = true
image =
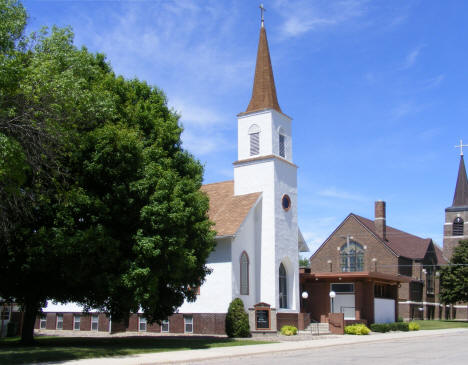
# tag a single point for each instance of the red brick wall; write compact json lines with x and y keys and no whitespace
{"x":133,"y":323}
{"x":68,"y":321}
{"x":336,"y":323}
{"x":209,"y":323}
{"x":387,"y":262}
{"x":85,"y":323}
{"x":153,"y":327}
{"x":103,"y":324}
{"x":286,"y":319}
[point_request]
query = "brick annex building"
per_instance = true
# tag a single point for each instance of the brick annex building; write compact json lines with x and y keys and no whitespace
{"x":377,"y":272}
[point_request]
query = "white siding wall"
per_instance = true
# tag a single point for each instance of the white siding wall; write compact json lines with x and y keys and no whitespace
{"x":246,"y":240}
{"x":216,"y":292}
{"x":287,"y":231}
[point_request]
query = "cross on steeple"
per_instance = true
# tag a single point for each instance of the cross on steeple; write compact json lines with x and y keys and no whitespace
{"x":262,"y":11}
{"x":461,"y":145}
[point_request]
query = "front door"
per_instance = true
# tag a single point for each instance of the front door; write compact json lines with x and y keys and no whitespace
{"x":344,"y":301}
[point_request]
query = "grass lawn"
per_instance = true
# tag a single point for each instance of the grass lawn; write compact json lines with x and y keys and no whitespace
{"x":439,"y":325}
{"x":72,"y":348}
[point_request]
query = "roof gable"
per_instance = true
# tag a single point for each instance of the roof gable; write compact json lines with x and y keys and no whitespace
{"x":402,"y":243}
{"x":357,"y":218}
{"x":227,"y":210}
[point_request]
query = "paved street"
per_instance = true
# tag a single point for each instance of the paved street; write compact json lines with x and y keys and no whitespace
{"x":449,"y":348}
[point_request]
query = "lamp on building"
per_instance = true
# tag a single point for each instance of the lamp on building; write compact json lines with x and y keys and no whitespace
{"x":374,"y":260}
{"x":332,"y":295}
{"x":305,"y":295}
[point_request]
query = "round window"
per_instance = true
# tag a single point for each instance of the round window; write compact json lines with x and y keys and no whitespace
{"x":286,"y":202}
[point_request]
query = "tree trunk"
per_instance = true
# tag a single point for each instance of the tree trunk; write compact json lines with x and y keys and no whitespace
{"x":29,"y":319}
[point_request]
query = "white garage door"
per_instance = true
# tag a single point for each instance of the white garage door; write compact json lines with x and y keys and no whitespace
{"x":384,"y":310}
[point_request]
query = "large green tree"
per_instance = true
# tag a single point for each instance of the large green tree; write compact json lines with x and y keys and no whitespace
{"x":102,"y":202}
{"x":454,"y":277}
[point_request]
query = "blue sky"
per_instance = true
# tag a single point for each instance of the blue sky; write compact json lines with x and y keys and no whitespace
{"x":378,"y":91}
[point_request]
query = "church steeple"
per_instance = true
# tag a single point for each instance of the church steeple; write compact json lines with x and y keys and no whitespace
{"x":460,"y":197}
{"x":264,"y":90}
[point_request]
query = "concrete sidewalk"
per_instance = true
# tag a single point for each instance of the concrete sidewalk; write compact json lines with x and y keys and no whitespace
{"x":237,"y":351}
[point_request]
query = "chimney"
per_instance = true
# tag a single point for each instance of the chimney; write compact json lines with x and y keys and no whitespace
{"x":379,"y":222}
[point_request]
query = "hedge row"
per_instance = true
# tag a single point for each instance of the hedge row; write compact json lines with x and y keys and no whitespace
{"x":396,"y":326}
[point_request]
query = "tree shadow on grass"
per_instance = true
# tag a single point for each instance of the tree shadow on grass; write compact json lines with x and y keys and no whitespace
{"x":71,"y":348}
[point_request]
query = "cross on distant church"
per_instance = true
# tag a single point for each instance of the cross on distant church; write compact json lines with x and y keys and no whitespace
{"x":262,"y":11}
{"x":461,"y":145}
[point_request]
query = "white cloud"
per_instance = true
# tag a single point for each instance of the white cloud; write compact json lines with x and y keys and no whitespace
{"x":301,"y":16}
{"x":332,"y":192}
{"x":194,"y":115}
{"x":411,"y":57}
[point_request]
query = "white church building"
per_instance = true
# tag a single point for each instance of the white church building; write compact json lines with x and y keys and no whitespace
{"x":258,"y":240}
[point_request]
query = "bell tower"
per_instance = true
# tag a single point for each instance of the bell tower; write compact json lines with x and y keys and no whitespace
{"x":265,"y":164}
{"x":456,"y":216}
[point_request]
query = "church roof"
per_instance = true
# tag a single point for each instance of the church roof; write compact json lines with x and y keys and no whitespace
{"x":227,"y":210}
{"x":264,"y":90}
{"x":460,"y":198}
{"x":403,"y":243}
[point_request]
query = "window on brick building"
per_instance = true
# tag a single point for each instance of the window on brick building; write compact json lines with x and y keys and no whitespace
{"x":416,"y":291}
{"x":244,"y":274}
{"x":430,"y":280}
{"x":94,"y":322}
{"x":59,"y":325}
{"x":188,"y":324}
{"x":457,"y":227}
{"x":43,"y":322}
{"x":352,"y":257}
{"x":76,"y":323}
{"x":165,"y":326}
{"x":142,"y":323}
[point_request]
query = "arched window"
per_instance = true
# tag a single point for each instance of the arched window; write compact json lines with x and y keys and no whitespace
{"x":254,"y":133}
{"x":283,"y":287}
{"x":352,"y":257}
{"x":281,"y":145}
{"x":281,"y":142}
{"x":244,"y":274}
{"x":457,"y":227}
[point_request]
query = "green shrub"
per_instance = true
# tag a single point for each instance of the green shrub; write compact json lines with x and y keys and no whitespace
{"x":288,"y":330}
{"x":237,"y":320}
{"x":380,"y":327}
{"x":413,"y":326}
{"x":393,"y":326}
{"x":400,"y":319}
{"x":357,"y":329}
{"x":402,"y":326}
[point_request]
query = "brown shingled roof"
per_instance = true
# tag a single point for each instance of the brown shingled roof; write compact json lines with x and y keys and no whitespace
{"x":227,"y":210}
{"x":402,"y":243}
{"x":264,"y":89}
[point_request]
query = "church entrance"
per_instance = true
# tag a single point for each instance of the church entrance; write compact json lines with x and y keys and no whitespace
{"x":344,"y":301}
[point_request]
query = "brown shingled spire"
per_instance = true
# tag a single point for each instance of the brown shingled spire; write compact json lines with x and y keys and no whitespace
{"x":264,"y":90}
{"x":460,"y":198}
